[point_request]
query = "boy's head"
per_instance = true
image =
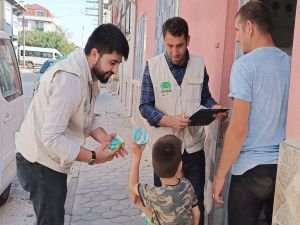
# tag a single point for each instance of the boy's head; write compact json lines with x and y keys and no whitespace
{"x":166,"y":156}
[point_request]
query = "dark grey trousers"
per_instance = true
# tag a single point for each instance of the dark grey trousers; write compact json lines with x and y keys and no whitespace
{"x":251,"y":192}
{"x":48,"y":190}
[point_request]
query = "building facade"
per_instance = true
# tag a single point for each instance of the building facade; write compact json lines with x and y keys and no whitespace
{"x":9,"y":12}
{"x":212,"y":34}
{"x":39,"y":18}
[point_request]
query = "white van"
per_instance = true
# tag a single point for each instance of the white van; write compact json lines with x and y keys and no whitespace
{"x":11,"y":113}
{"x":35,"y":56}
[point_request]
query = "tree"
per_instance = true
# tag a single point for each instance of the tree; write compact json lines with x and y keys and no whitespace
{"x":42,"y":39}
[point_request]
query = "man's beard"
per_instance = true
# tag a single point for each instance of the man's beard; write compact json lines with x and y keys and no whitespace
{"x":102,"y":76}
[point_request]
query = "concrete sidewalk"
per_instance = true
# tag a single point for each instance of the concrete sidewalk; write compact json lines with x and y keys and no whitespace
{"x":98,"y":195}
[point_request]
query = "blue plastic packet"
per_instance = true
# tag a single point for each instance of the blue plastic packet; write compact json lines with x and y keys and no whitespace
{"x":116,"y":143}
{"x":147,"y":221}
{"x":140,"y":136}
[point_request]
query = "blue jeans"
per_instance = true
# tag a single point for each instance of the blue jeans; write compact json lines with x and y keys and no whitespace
{"x":251,"y":192}
{"x":48,"y":190}
{"x":194,"y":170}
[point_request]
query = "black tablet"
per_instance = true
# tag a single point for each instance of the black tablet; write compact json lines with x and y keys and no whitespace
{"x":204,"y":117}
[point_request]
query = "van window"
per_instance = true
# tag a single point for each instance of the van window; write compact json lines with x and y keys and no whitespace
{"x":46,"y":55}
{"x":10,"y":82}
{"x":56,"y":55}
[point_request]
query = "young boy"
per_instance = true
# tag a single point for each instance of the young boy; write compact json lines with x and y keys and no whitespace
{"x":175,"y":202}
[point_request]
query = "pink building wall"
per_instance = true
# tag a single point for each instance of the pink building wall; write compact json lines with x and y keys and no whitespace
{"x":293,"y":121}
{"x":148,"y":8}
{"x":212,"y":33}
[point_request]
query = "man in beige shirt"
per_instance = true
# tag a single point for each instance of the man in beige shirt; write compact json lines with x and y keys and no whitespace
{"x":61,"y":116}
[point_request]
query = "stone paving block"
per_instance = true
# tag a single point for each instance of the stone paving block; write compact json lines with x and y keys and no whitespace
{"x":121,"y":220}
{"x":92,"y":194}
{"x":82,"y":190}
{"x":111,"y":214}
{"x":119,"y":196}
{"x":101,"y":198}
{"x":80,"y":211}
{"x":120,"y":206}
{"x":117,"y":188}
{"x":90,"y":204}
{"x":79,"y":223}
{"x":81,"y":200}
{"x":102,"y":222}
{"x":100,"y":209}
{"x":109,"y":203}
{"x":131,"y":212}
{"x":100,"y":189}
{"x":91,"y":216}
{"x":109,"y":192}
{"x":75,"y":218}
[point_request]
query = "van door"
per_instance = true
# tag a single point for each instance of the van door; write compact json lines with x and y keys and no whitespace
{"x":11,"y":111}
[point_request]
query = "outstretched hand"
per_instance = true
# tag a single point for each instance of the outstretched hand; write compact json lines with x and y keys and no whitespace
{"x":107,"y":138}
{"x":137,"y":149}
{"x":103,"y":155}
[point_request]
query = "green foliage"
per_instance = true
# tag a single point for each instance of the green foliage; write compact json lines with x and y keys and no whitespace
{"x":42,"y":39}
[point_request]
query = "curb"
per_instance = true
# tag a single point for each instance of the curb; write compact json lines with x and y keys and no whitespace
{"x":72,"y":181}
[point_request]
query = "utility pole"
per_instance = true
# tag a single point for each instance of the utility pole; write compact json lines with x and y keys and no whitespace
{"x":23,"y":21}
{"x":82,"y":36}
{"x":97,"y":6}
{"x":100,"y":12}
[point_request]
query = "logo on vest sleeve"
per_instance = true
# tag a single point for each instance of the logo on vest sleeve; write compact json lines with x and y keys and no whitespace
{"x":165,"y":87}
{"x":86,"y":105}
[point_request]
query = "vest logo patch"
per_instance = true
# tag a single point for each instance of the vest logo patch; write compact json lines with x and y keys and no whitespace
{"x":86,"y":105}
{"x":165,"y":87}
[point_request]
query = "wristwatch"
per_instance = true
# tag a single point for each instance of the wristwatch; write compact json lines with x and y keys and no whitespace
{"x":92,"y":161}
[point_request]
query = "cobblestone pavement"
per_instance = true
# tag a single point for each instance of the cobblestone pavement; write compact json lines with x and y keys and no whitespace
{"x":98,"y":195}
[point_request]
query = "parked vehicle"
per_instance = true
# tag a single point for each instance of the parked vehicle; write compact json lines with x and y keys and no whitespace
{"x":47,"y":64}
{"x":11,"y":113}
{"x":35,"y":56}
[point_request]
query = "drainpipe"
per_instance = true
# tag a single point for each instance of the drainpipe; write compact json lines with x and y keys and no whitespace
{"x":100,"y":12}
{"x":2,"y":15}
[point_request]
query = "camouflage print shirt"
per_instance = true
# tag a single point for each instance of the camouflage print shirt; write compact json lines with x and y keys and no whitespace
{"x":171,"y":205}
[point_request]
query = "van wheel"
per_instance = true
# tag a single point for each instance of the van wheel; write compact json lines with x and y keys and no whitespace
{"x":4,"y":195}
{"x":30,"y":65}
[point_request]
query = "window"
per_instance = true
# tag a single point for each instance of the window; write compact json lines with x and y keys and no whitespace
{"x":165,"y":9}
{"x":125,"y":18}
{"x":10,"y":82}
{"x":140,"y":48}
{"x":47,"y":55}
{"x":40,"y":13}
{"x":40,"y":25}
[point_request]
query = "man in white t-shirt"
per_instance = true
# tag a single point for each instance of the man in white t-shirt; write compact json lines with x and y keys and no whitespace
{"x":259,"y":87}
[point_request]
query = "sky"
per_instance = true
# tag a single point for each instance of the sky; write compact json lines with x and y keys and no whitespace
{"x":70,"y":15}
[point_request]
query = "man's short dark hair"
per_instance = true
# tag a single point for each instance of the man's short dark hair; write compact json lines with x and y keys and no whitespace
{"x":176,"y":26}
{"x":107,"y":38}
{"x":258,"y":13}
{"x":166,"y":156}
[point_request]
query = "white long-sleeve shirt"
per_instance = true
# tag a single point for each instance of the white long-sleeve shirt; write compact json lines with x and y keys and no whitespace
{"x":60,"y":116}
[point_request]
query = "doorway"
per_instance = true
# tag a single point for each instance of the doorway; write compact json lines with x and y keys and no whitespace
{"x":283,"y":16}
